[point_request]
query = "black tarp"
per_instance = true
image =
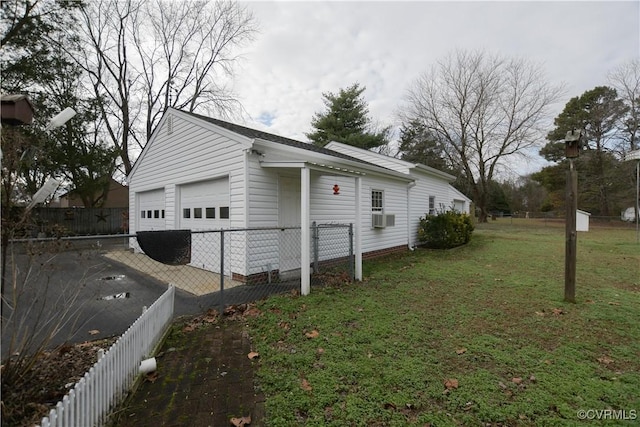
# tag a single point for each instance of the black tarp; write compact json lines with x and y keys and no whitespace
{"x":171,"y":247}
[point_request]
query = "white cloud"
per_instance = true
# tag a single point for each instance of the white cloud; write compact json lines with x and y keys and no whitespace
{"x":307,"y":48}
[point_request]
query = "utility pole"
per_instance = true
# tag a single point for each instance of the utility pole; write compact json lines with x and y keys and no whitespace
{"x":572,"y":150}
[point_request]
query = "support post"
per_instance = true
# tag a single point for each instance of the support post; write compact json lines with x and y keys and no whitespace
{"x":305,"y":228}
{"x":358,"y":228}
{"x":315,"y":235}
{"x":221,"y":271}
{"x":351,"y":260}
{"x":571,"y":235}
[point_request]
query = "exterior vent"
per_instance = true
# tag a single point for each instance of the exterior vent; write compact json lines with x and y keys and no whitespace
{"x":378,"y":220}
{"x":390,"y":220}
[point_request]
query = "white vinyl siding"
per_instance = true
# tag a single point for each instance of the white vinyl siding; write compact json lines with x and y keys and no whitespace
{"x":186,"y":156}
{"x":193,"y":153}
{"x":395,"y":203}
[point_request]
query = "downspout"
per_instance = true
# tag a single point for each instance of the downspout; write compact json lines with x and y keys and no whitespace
{"x":409,"y":233}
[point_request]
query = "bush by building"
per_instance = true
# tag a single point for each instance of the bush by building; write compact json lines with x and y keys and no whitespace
{"x":445,"y":230}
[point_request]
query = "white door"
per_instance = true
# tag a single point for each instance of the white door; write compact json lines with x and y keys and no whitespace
{"x":289,"y":216}
{"x":151,"y":210}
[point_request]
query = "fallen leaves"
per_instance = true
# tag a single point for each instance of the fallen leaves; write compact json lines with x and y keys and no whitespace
{"x":461,"y":351}
{"x":605,"y":360}
{"x":241,"y":311}
{"x":450,"y":384}
{"x":94,"y":332}
{"x":151,"y":377}
{"x":305,"y":385}
{"x":209,"y":317}
{"x":312,"y":334}
{"x":239,"y":422}
{"x":253,"y":355}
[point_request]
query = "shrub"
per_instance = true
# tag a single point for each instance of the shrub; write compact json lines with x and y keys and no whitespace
{"x":445,"y":230}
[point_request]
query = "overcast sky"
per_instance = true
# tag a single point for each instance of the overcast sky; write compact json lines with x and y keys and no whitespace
{"x":306,"y":48}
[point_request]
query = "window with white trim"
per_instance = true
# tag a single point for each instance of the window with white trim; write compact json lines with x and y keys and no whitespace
{"x":432,"y":205}
{"x":377,"y":201}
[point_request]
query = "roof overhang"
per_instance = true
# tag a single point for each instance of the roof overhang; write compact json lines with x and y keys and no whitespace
{"x":434,"y":171}
{"x":299,"y":164}
{"x":326,"y":163}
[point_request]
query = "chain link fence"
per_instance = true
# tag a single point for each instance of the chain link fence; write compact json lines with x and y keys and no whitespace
{"x":551,"y":218}
{"x":73,"y":289}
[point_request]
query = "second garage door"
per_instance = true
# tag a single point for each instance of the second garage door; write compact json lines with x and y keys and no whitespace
{"x":205,"y":205}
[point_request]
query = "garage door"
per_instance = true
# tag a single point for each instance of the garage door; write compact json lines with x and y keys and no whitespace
{"x":151,"y":210}
{"x":205,"y":205}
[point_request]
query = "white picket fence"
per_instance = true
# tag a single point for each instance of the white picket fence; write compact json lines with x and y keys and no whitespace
{"x":108,"y":381}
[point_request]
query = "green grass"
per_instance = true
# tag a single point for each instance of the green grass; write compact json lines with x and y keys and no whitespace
{"x":483,"y":315}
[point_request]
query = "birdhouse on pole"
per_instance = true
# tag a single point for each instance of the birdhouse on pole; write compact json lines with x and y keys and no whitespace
{"x":16,"y":110}
{"x":572,"y":143}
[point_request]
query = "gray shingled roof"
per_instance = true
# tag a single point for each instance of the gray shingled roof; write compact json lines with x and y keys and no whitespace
{"x":253,"y":133}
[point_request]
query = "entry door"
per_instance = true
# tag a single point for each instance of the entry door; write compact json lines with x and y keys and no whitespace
{"x":289,"y":216}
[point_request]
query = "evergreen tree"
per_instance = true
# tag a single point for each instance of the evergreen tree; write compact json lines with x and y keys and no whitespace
{"x":597,"y":112}
{"x":418,"y":145}
{"x":346,"y":120}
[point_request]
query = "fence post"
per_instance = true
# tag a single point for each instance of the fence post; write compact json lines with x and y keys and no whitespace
{"x":221,"y":271}
{"x":351,"y":260}
{"x":315,"y":238}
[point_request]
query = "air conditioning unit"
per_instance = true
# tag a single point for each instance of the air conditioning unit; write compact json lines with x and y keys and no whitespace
{"x":390,"y":220}
{"x":378,"y":220}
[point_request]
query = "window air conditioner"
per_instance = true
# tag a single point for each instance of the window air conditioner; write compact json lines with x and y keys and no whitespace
{"x":390,"y":220}
{"x":378,"y":220}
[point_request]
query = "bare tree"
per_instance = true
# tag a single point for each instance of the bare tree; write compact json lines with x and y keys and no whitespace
{"x":626,"y":80}
{"x":483,"y":109}
{"x":143,"y":56}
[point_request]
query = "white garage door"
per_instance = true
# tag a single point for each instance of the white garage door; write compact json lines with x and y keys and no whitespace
{"x":151,"y":210}
{"x":205,"y":205}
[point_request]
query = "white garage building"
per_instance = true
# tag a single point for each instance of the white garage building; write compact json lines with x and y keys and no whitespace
{"x":201,"y":173}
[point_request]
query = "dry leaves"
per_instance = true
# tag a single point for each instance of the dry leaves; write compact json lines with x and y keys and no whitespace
{"x":312,"y":334}
{"x":450,"y":384}
{"x":242,"y":421}
{"x":253,"y":355}
{"x":94,"y":332}
{"x":516,"y":380}
{"x":152,"y":376}
{"x":304,"y":384}
{"x":606,"y":360}
{"x":461,"y":351}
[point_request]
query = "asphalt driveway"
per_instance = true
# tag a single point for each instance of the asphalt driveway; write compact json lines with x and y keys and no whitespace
{"x":76,"y":291}
{"x":72,"y":291}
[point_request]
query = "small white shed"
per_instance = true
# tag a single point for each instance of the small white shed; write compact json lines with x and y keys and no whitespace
{"x":582,"y":220}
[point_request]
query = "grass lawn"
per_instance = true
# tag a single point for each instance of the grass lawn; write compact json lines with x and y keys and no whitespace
{"x":478,"y":335}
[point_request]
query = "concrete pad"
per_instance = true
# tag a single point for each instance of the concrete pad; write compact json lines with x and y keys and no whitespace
{"x":190,"y":279}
